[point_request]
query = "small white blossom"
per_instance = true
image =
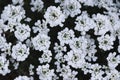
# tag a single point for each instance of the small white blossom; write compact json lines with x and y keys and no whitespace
{"x":106,"y":42}
{"x":44,"y":72}
{"x":102,"y":24}
{"x":20,"y":52}
{"x":22,"y":32}
{"x":54,"y":16}
{"x":14,"y":13}
{"x":113,"y":75}
{"x":59,"y":48}
{"x":65,"y":36}
{"x":75,"y":59}
{"x":84,"y":23}
{"x":78,"y":44}
{"x":46,"y":57}
{"x":41,"y":42}
{"x":113,"y":60}
{"x":37,"y":5}
{"x":71,"y":7}
{"x":41,"y":27}
{"x":60,"y":58}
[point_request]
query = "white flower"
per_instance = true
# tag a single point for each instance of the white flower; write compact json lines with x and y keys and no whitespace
{"x":84,"y":23}
{"x":78,"y":44}
{"x":20,"y":52}
{"x":54,"y":16}
{"x":60,"y":58}
{"x":64,"y":70}
{"x":23,"y":78}
{"x":75,"y":59}
{"x":65,"y":36}
{"x":113,"y":60}
{"x":14,"y":13}
{"x":102,"y":23}
{"x":46,"y":57}
{"x":86,"y":67}
{"x":40,"y":27}
{"x":44,"y":72}
{"x":90,"y":50}
{"x":22,"y":32}
{"x":106,"y":42}
{"x":113,"y":75}
{"x":96,"y":68}
{"x":41,"y":42}
{"x":71,"y":7}
{"x":59,"y":48}
{"x":4,"y":63}
{"x":37,"y":5}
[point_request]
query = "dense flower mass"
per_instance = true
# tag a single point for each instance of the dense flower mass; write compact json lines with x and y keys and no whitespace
{"x":59,"y":40}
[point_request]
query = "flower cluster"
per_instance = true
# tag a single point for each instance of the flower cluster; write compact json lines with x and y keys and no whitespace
{"x":60,"y":40}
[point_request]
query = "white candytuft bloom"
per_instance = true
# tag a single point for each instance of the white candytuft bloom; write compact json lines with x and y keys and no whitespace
{"x":14,"y":13}
{"x":54,"y":16}
{"x":102,"y":24}
{"x":22,"y":32}
{"x":20,"y":52}
{"x":71,"y":7}
{"x":46,"y":57}
{"x":106,"y":42}
{"x":60,"y":48}
{"x":4,"y":63}
{"x":84,"y":23}
{"x":41,"y":42}
{"x":113,"y":60}
{"x":37,"y":5}
{"x":78,"y":44}
{"x":113,"y":74}
{"x":40,"y":27}
{"x":44,"y":72}
{"x":75,"y":59}
{"x":65,"y":36}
